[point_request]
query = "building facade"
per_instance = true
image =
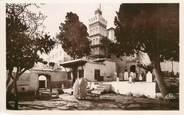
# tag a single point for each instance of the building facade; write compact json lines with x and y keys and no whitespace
{"x":111,"y":34}
{"x":34,"y":80}
{"x":92,"y":70}
{"x":97,"y":31}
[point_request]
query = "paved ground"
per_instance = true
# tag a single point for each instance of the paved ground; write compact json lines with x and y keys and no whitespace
{"x":104,"y":102}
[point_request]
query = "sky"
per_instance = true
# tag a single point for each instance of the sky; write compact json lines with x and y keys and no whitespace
{"x":56,"y":13}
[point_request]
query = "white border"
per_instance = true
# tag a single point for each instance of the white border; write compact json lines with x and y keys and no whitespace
{"x":47,"y":112}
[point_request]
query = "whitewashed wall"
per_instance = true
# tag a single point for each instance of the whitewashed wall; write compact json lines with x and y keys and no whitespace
{"x":136,"y":88}
{"x":106,"y":69}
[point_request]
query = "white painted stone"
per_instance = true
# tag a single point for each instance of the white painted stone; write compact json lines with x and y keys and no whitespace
{"x":139,"y":88}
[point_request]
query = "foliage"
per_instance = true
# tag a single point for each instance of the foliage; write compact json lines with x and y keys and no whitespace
{"x":109,"y":46}
{"x":74,"y":37}
{"x":150,"y":28}
{"x":24,"y":41}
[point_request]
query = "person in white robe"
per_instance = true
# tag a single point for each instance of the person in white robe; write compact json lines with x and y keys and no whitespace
{"x":133,"y":76}
{"x":130,"y":77}
{"x":76,"y":88}
{"x":125,"y":75}
{"x":82,"y":88}
{"x":149,"y":77}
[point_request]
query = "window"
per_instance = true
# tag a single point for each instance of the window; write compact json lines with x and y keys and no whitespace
{"x":97,"y":74}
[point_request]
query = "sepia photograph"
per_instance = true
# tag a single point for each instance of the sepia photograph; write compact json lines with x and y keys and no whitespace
{"x":92,"y":56}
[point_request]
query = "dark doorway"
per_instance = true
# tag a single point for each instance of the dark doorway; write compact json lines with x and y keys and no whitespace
{"x":132,"y":68}
{"x":41,"y":84}
{"x":81,"y":73}
{"x":43,"y":81}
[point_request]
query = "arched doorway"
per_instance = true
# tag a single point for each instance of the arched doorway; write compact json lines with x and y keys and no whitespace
{"x":42,"y":81}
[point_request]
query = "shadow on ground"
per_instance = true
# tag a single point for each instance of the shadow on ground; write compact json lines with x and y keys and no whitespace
{"x":103,"y":102}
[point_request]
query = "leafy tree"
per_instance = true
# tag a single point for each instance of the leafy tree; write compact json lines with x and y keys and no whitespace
{"x":108,"y":46}
{"x":74,"y":38}
{"x":149,"y":28}
{"x":24,"y":43}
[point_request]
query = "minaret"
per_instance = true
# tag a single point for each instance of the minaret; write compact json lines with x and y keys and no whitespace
{"x":97,"y":31}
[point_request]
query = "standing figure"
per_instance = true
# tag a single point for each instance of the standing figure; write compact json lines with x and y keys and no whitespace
{"x":149,"y":77}
{"x":121,"y":76}
{"x":76,"y":88}
{"x":130,"y":77}
{"x":126,"y":75}
{"x":133,"y":76}
{"x":82,"y":88}
{"x":115,"y":76}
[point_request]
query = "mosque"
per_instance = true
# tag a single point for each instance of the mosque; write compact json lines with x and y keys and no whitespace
{"x":95,"y":68}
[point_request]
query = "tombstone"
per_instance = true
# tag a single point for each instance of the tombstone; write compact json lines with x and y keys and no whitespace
{"x":149,"y":77}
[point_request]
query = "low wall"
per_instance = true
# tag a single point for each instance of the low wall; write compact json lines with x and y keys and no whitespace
{"x":136,"y":88}
{"x":28,"y":82}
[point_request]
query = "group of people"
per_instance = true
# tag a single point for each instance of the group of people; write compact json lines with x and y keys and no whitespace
{"x":133,"y":77}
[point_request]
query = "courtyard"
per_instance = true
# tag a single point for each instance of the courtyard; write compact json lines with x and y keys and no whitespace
{"x":139,"y":72}
{"x":108,"y":101}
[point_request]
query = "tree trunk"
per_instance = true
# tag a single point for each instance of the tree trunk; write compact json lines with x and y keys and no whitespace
{"x":9,"y":87}
{"x":11,"y":84}
{"x":74,"y":74}
{"x":159,"y":78}
{"x":16,"y":94}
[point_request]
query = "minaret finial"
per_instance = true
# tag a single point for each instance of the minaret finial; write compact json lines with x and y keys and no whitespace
{"x":98,"y":10}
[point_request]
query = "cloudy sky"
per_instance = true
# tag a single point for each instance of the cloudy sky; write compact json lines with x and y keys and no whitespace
{"x":56,"y":13}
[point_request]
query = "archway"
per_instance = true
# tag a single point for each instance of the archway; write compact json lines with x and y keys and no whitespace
{"x":42,"y":81}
